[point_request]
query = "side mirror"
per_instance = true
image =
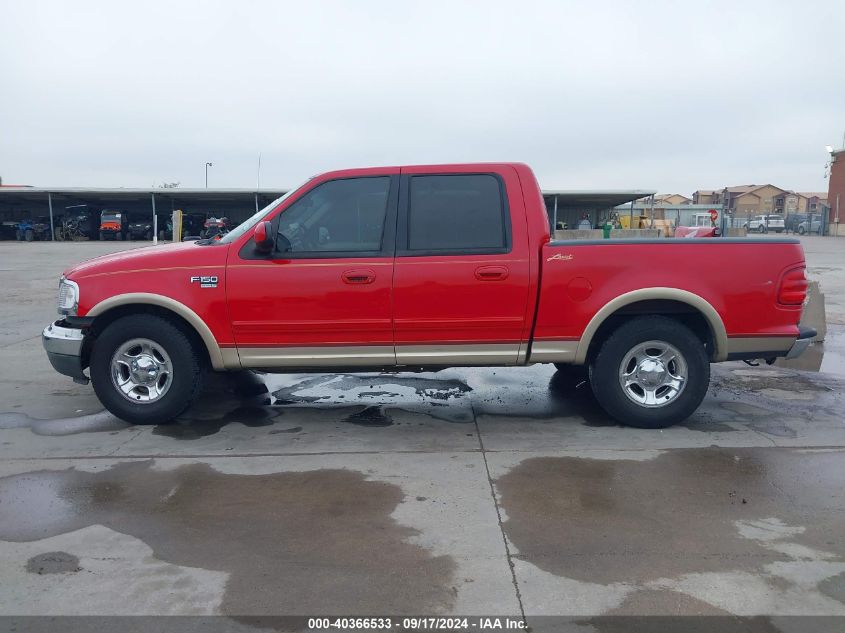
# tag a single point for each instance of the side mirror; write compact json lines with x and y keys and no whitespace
{"x":263,"y":237}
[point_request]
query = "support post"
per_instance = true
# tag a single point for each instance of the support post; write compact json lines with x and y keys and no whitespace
{"x":52,"y":228}
{"x":256,"y":198}
{"x":554,"y":221}
{"x":155,"y":219}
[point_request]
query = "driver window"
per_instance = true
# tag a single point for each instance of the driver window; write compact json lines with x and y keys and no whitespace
{"x":337,"y":216}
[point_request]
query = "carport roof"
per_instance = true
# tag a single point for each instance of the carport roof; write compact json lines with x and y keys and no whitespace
{"x":596,"y":198}
{"x":133,"y":193}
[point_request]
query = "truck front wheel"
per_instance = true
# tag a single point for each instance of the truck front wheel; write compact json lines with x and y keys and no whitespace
{"x":652,"y":372}
{"x":145,"y":370}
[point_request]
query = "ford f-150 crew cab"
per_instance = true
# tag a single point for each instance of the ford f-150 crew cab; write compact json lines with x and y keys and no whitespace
{"x":426,"y":267}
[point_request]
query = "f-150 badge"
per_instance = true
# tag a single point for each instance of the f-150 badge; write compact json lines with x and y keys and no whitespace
{"x":559,"y":256}
{"x":205,"y":282}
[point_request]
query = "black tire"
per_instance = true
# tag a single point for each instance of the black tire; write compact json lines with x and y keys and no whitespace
{"x":102,"y":236}
{"x":19,"y":235}
{"x":29,"y":235}
{"x":761,"y":229}
{"x":801,"y":230}
{"x":187,"y":369}
{"x":572,"y":375}
{"x":118,"y":236}
{"x":149,"y":236}
{"x":606,"y":369}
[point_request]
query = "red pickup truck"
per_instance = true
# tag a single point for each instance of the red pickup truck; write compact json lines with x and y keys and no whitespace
{"x":426,"y":267}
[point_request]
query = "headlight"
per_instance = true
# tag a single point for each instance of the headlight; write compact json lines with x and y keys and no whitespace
{"x":68,"y":297}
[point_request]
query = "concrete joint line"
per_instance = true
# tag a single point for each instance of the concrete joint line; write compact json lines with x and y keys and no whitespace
{"x":508,"y":556}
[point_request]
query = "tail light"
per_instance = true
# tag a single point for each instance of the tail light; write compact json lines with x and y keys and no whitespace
{"x":793,"y":287}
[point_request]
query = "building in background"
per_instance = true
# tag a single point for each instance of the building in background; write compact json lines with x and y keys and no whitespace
{"x":667,"y":199}
{"x":747,"y":200}
{"x":705,"y":196}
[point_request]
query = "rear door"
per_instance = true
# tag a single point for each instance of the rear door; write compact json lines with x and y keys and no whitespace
{"x":461,"y":274}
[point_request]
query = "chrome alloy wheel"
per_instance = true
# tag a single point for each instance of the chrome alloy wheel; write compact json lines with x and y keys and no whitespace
{"x":141,"y":371}
{"x":653,"y":374}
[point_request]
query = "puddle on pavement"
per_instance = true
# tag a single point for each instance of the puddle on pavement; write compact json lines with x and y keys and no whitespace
{"x":606,"y":521}
{"x":440,"y":398}
{"x":254,"y":527}
{"x":371,"y":416}
{"x":195,"y":428}
{"x":53,"y":563}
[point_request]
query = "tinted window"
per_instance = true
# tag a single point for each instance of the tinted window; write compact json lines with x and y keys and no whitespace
{"x":456,"y":213}
{"x":337,"y":216}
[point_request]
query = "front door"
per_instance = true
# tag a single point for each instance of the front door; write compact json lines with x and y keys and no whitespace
{"x":461,"y":275}
{"x":323,"y":298}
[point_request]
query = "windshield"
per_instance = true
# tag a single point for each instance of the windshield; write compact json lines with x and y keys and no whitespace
{"x":111,"y":217}
{"x":239,"y":230}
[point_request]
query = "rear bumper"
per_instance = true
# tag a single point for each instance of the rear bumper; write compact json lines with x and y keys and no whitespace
{"x":64,"y":350}
{"x":805,"y":337}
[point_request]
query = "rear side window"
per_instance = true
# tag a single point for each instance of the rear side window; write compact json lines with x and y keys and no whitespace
{"x":457,"y":213}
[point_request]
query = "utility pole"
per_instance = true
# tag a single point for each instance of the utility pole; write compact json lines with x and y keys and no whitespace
{"x":207,"y":165}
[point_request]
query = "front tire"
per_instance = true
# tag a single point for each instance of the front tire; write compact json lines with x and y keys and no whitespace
{"x":651,"y":373}
{"x":145,"y":370}
{"x":761,"y":229}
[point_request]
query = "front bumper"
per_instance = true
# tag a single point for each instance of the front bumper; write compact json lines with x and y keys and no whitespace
{"x":64,"y":350}
{"x":805,"y":337}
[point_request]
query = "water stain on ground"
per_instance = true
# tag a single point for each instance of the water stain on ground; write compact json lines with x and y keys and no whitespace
{"x":260,"y":529}
{"x":370,"y":416}
{"x":53,"y":563}
{"x":634,"y":521}
{"x":405,"y":392}
{"x":438,"y":389}
{"x":94,"y":423}
{"x":654,"y":602}
{"x":193,"y":428}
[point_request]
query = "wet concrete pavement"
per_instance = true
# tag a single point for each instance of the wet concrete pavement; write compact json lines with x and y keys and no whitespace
{"x":470,"y":491}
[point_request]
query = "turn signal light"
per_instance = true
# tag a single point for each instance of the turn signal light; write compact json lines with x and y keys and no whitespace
{"x":793,"y":287}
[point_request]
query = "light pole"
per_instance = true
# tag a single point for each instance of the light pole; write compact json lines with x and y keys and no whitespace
{"x":207,"y":165}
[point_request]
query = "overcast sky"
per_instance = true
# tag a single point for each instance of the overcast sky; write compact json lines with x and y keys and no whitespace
{"x":674,"y":96}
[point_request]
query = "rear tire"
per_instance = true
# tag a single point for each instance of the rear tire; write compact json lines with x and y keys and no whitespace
{"x":651,"y":402}
{"x":29,"y":235}
{"x":171,"y":385}
{"x":761,"y":229}
{"x":801,"y":230}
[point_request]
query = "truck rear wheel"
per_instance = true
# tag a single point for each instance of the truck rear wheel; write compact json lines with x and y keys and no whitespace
{"x":145,"y":370}
{"x":652,"y":372}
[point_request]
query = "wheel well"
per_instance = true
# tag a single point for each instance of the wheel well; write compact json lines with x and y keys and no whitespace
{"x":102,"y":321}
{"x":678,"y":310}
